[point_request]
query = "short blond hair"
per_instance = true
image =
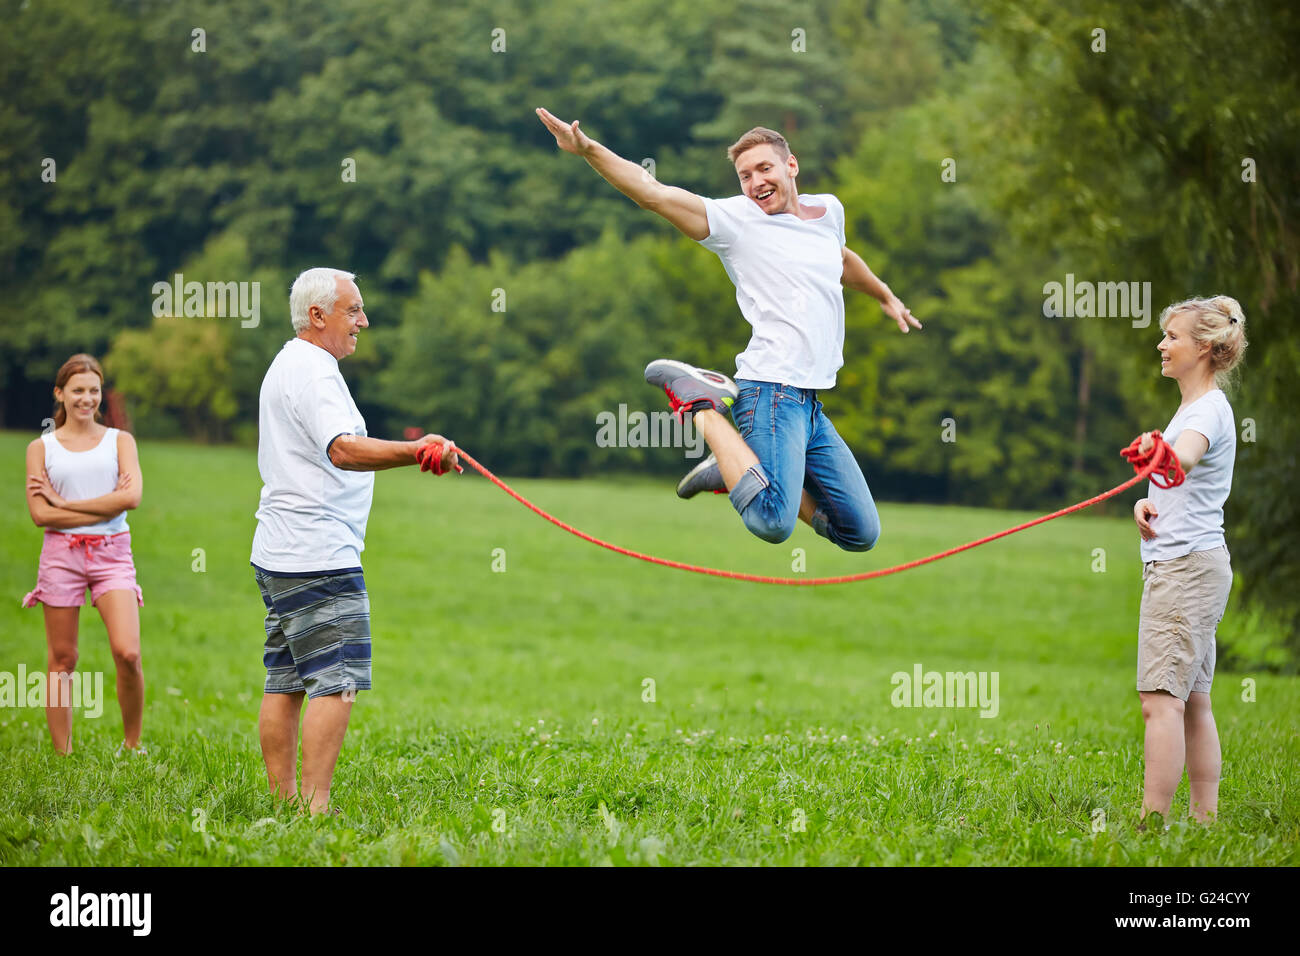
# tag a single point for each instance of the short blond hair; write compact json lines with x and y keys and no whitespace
{"x":1219,"y":321}
{"x":757,"y":137}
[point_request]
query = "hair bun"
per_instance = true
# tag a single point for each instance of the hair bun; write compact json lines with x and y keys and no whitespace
{"x":1218,"y":321}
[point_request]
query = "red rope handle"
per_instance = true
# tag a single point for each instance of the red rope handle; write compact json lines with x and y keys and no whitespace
{"x":1166,"y":469}
{"x":430,"y":455}
{"x":1159,"y":457}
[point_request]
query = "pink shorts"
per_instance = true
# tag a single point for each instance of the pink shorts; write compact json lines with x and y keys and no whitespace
{"x":70,"y":563}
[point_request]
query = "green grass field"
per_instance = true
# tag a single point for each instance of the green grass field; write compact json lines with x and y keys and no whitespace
{"x":508,"y":725}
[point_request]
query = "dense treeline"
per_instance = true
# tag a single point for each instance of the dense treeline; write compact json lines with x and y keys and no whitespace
{"x":981,"y":153}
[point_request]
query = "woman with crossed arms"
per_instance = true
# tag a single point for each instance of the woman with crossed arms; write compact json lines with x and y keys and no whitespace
{"x":82,"y":478}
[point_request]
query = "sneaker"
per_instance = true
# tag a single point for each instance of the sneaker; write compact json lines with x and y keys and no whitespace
{"x":690,"y":389}
{"x":706,"y":476}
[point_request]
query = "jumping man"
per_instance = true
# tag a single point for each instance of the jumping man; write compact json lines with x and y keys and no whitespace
{"x":787,"y":256}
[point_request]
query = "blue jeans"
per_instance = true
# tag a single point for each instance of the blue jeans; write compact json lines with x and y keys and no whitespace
{"x":798,"y":449}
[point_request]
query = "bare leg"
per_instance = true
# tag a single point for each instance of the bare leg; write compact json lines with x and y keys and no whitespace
{"x":1204,"y":758}
{"x":1165,"y":750}
{"x":277,"y":726}
{"x":735,"y":457}
{"x":121,"y":613}
{"x":323,"y":728}
{"x":60,"y":659}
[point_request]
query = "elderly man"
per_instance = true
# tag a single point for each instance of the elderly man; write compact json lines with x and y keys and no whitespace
{"x":317,"y":469}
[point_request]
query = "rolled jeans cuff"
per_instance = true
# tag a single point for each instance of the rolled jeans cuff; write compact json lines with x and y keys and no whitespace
{"x":753,"y":481}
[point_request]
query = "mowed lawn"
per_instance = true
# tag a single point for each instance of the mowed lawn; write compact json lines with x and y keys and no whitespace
{"x":510,"y":721}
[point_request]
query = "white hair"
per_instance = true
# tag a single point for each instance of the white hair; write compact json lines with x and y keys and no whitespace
{"x":314,"y":287}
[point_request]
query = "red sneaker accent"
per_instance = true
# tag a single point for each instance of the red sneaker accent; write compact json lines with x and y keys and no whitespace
{"x":672,"y":399}
{"x":680,"y":408}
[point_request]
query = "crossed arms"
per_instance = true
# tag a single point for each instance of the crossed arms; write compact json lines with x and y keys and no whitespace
{"x":686,"y":211}
{"x":50,"y":510}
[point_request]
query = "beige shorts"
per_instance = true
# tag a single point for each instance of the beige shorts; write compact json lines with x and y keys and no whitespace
{"x":1183,"y":601}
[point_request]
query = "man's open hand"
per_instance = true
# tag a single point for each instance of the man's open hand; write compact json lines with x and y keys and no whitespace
{"x":567,"y":136}
{"x":901,"y":314}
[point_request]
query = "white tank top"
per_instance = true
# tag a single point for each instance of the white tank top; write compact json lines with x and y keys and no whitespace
{"x":80,"y":475}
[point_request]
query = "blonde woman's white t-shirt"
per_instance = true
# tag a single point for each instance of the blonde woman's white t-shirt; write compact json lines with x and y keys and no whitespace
{"x":787,"y":274}
{"x":1189,"y":517}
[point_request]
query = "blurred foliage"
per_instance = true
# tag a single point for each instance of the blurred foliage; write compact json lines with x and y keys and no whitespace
{"x":514,"y":296}
{"x":176,"y":367}
{"x":1137,"y":159}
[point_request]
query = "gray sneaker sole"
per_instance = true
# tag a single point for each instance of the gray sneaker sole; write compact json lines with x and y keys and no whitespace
{"x":697,"y":480}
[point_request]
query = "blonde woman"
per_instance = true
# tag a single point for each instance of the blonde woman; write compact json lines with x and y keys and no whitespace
{"x":82,"y":478}
{"x":1186,"y":570}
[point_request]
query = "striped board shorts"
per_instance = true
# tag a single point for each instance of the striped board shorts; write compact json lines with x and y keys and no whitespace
{"x":317,"y":632}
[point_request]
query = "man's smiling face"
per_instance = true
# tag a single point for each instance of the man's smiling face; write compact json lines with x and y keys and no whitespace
{"x":344,"y":322}
{"x":768,"y":179}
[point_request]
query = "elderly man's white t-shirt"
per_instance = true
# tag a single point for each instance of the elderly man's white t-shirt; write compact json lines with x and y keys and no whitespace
{"x":312,"y":516}
{"x":1189,"y":517}
{"x":787,"y":273}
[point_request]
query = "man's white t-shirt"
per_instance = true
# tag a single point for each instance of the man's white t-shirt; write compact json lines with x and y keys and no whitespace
{"x":787,"y":274}
{"x":1190,"y":517}
{"x":312,"y":516}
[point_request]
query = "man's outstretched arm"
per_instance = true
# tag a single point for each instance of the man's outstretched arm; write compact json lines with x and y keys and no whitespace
{"x":362,"y":453}
{"x":858,"y":275}
{"x":683,"y":209}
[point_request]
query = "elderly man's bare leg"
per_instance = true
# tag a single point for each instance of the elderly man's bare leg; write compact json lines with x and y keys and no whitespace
{"x":323,"y":728}
{"x":277,"y":725}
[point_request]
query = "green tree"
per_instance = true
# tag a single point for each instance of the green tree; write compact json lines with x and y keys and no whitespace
{"x":178,"y":367}
{"x":1170,"y":156}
